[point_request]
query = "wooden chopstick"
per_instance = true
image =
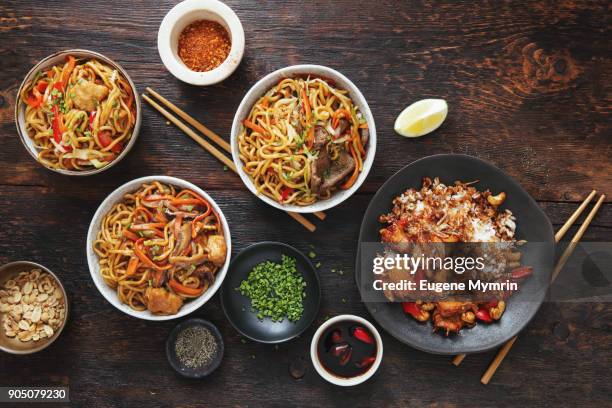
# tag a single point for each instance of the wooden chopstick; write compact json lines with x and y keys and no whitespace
{"x":501,"y":354}
{"x":209,"y":147}
{"x":558,"y":236}
{"x":187,"y":118}
{"x":574,"y":216}
{"x":216,"y":153}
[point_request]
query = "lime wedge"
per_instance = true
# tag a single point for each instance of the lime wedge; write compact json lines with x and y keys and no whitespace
{"x":421,"y":118}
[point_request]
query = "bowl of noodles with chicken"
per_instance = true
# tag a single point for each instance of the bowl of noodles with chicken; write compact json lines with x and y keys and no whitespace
{"x":303,"y":139}
{"x":158,"y":248}
{"x":77,"y":112}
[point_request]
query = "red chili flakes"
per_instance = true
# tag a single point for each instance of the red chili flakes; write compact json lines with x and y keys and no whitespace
{"x":204,"y":45}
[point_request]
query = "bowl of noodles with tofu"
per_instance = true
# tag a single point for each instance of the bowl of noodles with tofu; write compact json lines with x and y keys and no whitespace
{"x":77,"y":112}
{"x":158,"y":248}
{"x":303,"y":139}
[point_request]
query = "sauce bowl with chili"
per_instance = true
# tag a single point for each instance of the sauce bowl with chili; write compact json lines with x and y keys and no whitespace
{"x":346,"y":350}
{"x":201,"y":42}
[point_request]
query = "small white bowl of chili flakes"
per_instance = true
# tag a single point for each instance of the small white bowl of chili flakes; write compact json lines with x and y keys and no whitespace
{"x":201,"y":42}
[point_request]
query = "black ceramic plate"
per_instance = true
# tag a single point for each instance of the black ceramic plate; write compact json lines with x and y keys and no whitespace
{"x":237,"y":307}
{"x":202,"y":371}
{"x":532,"y":225}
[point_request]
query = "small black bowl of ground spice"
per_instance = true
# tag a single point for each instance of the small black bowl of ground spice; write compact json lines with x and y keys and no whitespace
{"x":194,"y":348}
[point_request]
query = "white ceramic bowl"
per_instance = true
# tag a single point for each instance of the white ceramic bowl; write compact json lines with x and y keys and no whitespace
{"x":60,"y":58}
{"x":267,"y":82}
{"x":92,"y":259}
{"x":345,"y":382}
{"x":180,"y":17}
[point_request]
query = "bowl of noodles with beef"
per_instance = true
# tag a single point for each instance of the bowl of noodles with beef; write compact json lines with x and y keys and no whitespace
{"x":303,"y":138}
{"x":77,"y":112}
{"x":158,"y":248}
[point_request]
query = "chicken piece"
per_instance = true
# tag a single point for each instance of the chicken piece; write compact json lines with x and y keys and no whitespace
{"x":87,"y":95}
{"x":448,"y":324}
{"x":451,"y":308}
{"x":396,"y":237}
{"x":216,"y":249}
{"x":160,"y":301}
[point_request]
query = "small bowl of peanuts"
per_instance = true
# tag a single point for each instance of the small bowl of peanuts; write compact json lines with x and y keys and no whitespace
{"x":33,"y":307}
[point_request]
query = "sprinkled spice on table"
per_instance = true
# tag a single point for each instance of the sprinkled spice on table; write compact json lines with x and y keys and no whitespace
{"x":195,"y":347}
{"x":203,"y":45}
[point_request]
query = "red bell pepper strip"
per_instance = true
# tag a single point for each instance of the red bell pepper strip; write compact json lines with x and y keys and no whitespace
{"x":521,"y":272}
{"x":366,"y":362}
{"x":285,"y":193}
{"x":106,"y":140}
{"x":412,"y":309}
{"x":57,"y":124}
{"x":362,"y":335}
{"x":483,"y":315}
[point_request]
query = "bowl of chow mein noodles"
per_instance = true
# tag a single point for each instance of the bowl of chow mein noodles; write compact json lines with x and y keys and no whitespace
{"x":77,"y":112}
{"x":158,"y":248}
{"x":303,"y":138}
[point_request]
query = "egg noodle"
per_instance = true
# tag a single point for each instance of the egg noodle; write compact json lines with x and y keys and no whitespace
{"x":159,"y":246}
{"x":79,"y":114}
{"x":278,"y":146}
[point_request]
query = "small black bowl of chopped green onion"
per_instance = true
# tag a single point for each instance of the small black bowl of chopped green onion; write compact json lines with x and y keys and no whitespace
{"x":194,"y":348}
{"x":271,"y":293}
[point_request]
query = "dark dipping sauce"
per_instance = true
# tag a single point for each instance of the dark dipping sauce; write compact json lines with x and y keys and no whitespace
{"x":347,"y":349}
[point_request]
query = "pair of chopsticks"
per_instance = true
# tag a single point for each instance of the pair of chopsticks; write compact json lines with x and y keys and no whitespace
{"x":207,"y":145}
{"x":501,"y":354}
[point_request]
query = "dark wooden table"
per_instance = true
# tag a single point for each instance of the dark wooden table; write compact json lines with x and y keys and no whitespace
{"x":529,"y":86}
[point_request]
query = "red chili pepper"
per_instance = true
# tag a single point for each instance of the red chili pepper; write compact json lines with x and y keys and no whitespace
{"x":346,"y":357}
{"x":411,"y":308}
{"x":483,"y":315}
{"x":285,"y":193}
{"x":336,"y":336}
{"x":361,"y":334}
{"x":521,"y":272}
{"x":368,"y":361}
